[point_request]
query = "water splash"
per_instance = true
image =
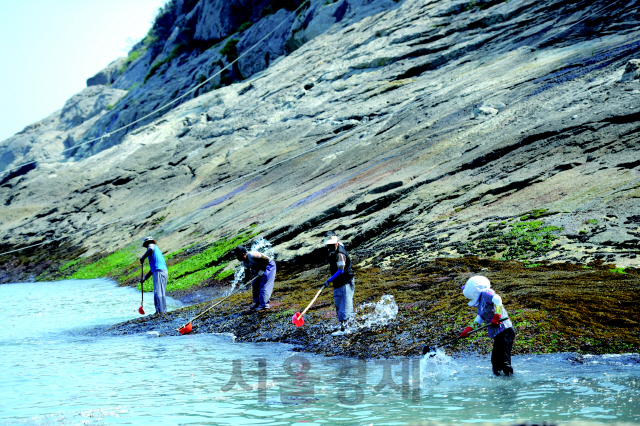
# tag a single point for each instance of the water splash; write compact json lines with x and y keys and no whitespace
{"x":437,"y":367}
{"x":384,"y":311}
{"x":261,"y":245}
{"x":238,"y":276}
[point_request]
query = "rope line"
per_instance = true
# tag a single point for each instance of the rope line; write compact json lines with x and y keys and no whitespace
{"x":106,"y":135}
{"x":208,"y":190}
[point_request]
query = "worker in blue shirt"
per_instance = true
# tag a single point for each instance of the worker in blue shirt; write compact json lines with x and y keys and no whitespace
{"x":158,"y":269}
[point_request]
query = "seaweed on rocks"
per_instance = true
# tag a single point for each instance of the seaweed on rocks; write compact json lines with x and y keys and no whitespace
{"x":554,"y":308}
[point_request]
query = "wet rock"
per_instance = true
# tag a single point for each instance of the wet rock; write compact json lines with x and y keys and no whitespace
{"x":431,"y":311}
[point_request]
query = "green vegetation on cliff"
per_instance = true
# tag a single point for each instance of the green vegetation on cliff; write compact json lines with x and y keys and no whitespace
{"x":186,"y":270}
{"x":521,"y":240}
{"x":113,"y":265}
{"x":198,"y":268}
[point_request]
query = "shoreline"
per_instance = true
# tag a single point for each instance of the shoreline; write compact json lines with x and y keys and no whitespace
{"x":555,"y":308}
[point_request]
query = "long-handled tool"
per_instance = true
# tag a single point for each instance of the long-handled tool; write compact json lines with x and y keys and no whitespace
{"x":141,"y":289}
{"x":298,"y":319}
{"x":426,"y":349}
{"x":186,"y":329}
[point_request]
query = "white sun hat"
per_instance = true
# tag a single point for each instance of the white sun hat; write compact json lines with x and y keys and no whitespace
{"x":473,"y":288}
{"x":331,"y":239}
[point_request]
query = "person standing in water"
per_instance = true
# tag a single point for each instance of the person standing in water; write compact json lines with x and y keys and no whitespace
{"x":265,"y":268}
{"x":490,"y":311}
{"x":342,"y":278}
{"x":158,"y":269}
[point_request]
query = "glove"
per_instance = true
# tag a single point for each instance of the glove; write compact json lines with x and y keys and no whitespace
{"x":496,"y":319}
{"x":141,"y":261}
{"x":466,"y":332}
{"x":325,"y":284}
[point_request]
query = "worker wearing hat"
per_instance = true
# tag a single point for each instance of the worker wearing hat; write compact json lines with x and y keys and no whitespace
{"x":492,"y":313}
{"x":264,"y":269}
{"x":158,"y":269}
{"x":341,"y":278}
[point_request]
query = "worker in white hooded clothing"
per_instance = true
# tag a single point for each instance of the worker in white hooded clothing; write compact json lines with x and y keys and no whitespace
{"x":491,"y":312}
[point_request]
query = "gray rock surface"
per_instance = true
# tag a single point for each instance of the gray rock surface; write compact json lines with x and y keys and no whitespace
{"x":87,"y":104}
{"x":632,"y":71}
{"x":408,"y":127}
{"x":47,"y":140}
{"x":108,"y":75}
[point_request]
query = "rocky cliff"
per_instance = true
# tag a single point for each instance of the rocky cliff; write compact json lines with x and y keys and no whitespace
{"x":416,"y":129}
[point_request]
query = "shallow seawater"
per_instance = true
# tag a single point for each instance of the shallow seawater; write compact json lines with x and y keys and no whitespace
{"x":56,"y":371}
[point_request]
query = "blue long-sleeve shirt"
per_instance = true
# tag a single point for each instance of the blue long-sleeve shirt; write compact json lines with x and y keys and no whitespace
{"x":156,"y":259}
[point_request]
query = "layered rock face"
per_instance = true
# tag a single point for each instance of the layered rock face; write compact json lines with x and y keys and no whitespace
{"x":415,"y":129}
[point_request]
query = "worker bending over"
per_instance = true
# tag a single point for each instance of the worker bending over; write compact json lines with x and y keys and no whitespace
{"x":490,"y":311}
{"x":256,"y":263}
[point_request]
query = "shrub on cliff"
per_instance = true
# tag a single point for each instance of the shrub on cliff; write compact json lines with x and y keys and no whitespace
{"x":230,"y":50}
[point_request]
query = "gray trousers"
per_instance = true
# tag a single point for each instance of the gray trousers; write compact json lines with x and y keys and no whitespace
{"x":343,"y":299}
{"x":160,"y":290}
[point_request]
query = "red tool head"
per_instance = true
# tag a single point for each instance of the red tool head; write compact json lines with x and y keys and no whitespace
{"x":141,"y":310}
{"x":297,"y":320}
{"x":186,"y":329}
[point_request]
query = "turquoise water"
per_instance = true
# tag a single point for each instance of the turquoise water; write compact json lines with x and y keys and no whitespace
{"x":56,"y":371}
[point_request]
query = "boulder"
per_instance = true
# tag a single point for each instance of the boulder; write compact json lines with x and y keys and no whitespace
{"x":218,"y":18}
{"x":631,"y":71}
{"x":484,"y":111}
{"x":107,"y":75}
{"x":88,"y":103}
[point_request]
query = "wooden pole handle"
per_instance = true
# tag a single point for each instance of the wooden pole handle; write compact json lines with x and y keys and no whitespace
{"x":142,"y":283}
{"x":213,"y":306}
{"x":312,"y":301}
{"x":472,"y":331}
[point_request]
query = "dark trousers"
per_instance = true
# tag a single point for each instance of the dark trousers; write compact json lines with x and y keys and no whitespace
{"x":501,"y":354}
{"x":263,"y":286}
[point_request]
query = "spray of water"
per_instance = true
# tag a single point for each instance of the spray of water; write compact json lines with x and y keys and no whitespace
{"x":261,"y":245}
{"x":238,"y":276}
{"x":384,"y":311}
{"x":436,"y":368}
{"x":264,"y":247}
